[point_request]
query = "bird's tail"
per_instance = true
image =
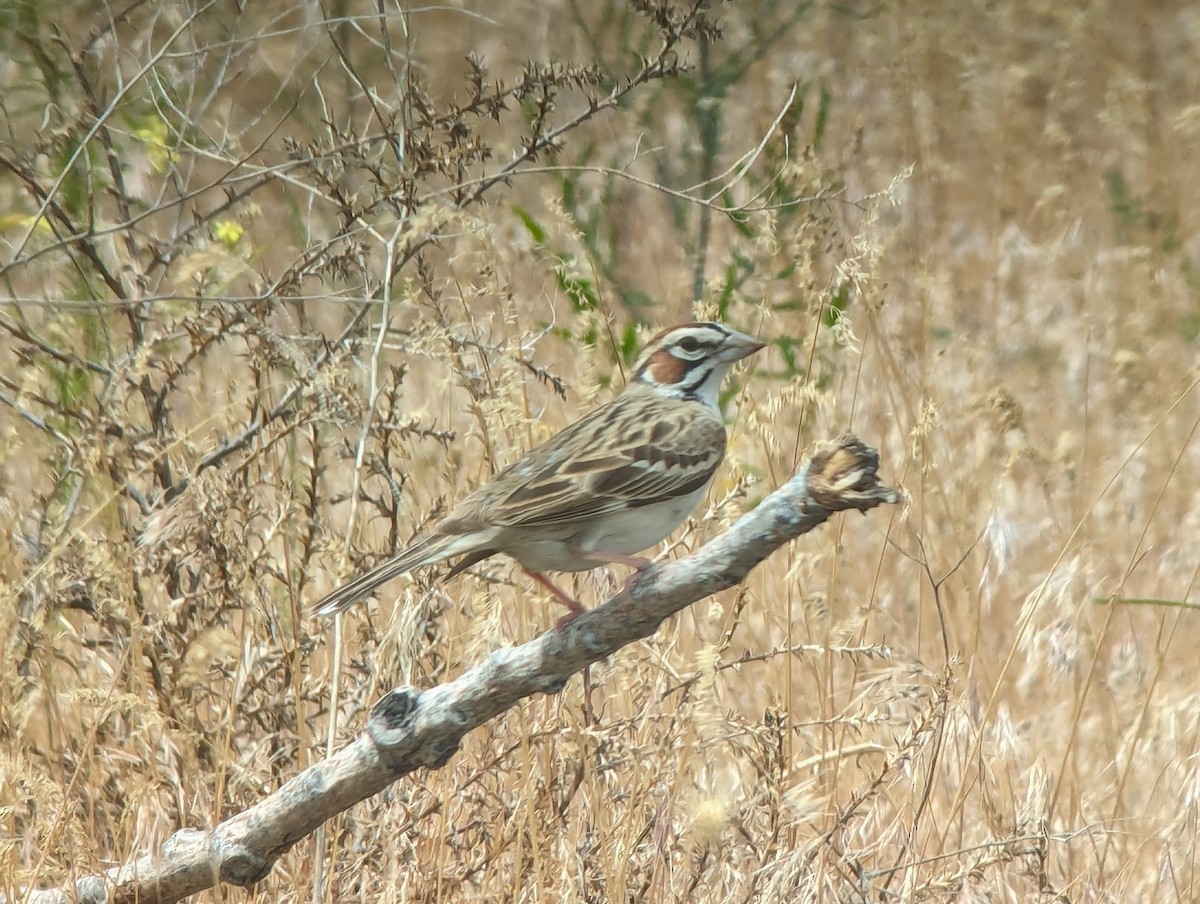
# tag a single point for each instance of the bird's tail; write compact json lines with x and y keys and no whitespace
{"x":426,"y":552}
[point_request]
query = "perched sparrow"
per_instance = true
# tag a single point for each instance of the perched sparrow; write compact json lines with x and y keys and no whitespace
{"x":614,"y":483}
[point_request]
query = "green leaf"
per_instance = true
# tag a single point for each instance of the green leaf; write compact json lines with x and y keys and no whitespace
{"x":531,"y":225}
{"x":837,"y":306}
{"x":580,"y":291}
{"x":823,"y":104}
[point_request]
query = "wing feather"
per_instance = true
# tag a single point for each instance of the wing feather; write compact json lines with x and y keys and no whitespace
{"x":573,"y":478}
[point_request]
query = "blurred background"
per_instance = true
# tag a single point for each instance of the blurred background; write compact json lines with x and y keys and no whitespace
{"x":281,"y":281}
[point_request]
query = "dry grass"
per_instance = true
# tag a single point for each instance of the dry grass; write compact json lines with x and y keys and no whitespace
{"x":999,"y":704}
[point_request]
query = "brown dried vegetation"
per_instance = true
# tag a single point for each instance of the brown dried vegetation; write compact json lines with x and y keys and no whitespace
{"x":278,"y":286}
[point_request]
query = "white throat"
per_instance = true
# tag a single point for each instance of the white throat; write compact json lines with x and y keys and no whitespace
{"x":704,"y":389}
{"x":708,"y":392}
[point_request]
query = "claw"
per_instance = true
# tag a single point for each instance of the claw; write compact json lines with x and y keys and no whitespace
{"x":568,"y":618}
{"x":631,"y":582}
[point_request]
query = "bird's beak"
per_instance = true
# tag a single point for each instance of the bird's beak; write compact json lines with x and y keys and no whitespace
{"x":738,"y":345}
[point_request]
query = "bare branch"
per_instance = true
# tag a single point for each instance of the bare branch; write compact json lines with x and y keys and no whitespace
{"x":410,"y":729}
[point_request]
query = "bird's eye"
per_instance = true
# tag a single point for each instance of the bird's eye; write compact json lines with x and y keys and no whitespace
{"x":689,"y":343}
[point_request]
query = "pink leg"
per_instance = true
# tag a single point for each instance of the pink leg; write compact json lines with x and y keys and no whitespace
{"x":637,"y":563}
{"x":562,"y":596}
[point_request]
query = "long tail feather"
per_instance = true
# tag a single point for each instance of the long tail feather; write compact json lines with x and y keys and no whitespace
{"x":426,"y":552}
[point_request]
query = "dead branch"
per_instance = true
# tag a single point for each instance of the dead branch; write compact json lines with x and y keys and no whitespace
{"x":410,"y":728}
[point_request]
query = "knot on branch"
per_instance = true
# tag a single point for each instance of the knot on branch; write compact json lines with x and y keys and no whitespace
{"x":392,"y":728}
{"x":395,"y":710}
{"x":91,"y":890}
{"x":844,"y":474}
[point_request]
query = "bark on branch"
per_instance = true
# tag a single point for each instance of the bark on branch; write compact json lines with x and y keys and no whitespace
{"x":410,"y":728}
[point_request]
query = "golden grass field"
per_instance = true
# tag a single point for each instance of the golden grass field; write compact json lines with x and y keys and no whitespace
{"x":971,"y":236}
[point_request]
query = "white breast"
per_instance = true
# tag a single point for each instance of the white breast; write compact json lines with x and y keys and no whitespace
{"x":626,"y":533}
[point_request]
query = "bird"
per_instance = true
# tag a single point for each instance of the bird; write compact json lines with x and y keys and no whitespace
{"x":613,"y":483}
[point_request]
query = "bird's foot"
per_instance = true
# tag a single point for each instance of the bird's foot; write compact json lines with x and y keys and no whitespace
{"x":568,"y":618}
{"x":632,"y":581}
{"x":577,"y":608}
